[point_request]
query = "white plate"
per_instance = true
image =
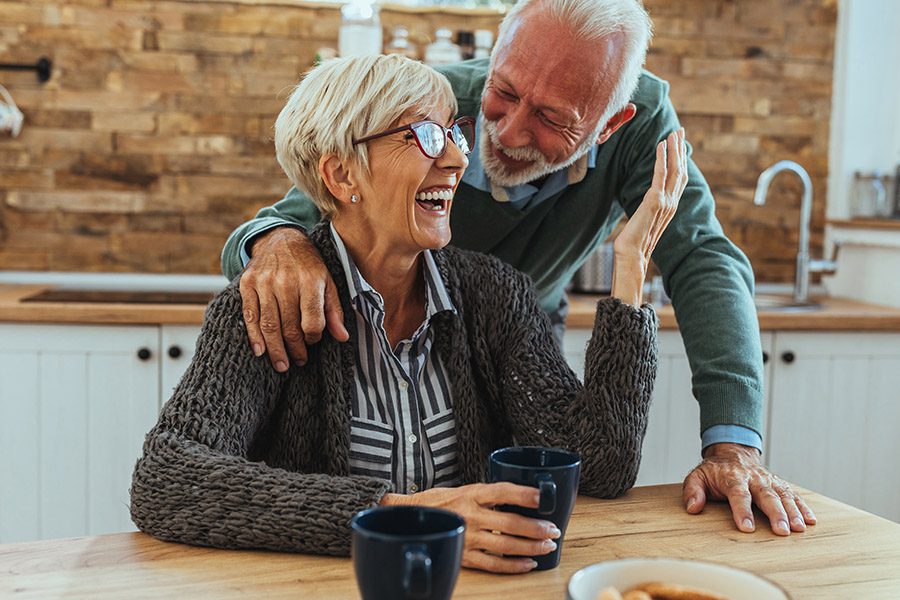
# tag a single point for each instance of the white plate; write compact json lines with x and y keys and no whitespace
{"x":623,"y":574}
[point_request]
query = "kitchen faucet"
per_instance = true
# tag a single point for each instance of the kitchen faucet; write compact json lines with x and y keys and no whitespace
{"x":805,"y":266}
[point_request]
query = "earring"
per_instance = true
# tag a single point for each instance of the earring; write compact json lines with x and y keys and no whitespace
{"x":354,"y":198}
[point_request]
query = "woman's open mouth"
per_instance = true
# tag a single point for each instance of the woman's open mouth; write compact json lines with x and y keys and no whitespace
{"x":435,"y":201}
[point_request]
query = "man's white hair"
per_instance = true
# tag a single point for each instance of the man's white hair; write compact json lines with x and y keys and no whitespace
{"x":345,"y":99}
{"x":595,"y":19}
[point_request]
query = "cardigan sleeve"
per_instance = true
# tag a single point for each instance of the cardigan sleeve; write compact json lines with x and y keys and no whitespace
{"x":195,"y":483}
{"x":606,"y":418}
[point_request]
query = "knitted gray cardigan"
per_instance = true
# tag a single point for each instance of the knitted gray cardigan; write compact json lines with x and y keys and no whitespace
{"x":245,"y":457}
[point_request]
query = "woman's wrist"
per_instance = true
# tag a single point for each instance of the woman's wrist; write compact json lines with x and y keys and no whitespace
{"x":629,"y":272}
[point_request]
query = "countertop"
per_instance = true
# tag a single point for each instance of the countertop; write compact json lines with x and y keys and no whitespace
{"x":848,"y":554}
{"x":836,"y":315}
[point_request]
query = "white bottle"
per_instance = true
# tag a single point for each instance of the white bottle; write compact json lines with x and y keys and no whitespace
{"x":484,"y":39}
{"x":360,"y":33}
{"x":443,"y":51}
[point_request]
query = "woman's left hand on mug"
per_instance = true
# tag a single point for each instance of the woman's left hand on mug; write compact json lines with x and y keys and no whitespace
{"x":491,"y":534}
{"x":635,"y":244}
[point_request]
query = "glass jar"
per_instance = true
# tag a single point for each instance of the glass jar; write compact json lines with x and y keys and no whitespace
{"x":443,"y":51}
{"x":873,"y":195}
{"x":360,"y":33}
{"x":400,"y":44}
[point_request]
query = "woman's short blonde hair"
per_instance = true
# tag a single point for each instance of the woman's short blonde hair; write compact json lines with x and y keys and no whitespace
{"x":345,"y":99}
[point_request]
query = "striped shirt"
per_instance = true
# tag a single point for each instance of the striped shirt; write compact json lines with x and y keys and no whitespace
{"x":402,"y":426}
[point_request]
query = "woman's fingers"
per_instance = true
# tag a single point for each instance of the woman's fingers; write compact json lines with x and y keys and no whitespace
{"x":476,"y":559}
{"x":518,"y":525}
{"x":498,"y":543}
{"x":503,"y":492}
{"x":659,"y":169}
{"x":673,"y":160}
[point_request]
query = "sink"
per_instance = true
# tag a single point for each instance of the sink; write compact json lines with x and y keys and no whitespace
{"x":773,"y":303}
{"x":120,"y":297}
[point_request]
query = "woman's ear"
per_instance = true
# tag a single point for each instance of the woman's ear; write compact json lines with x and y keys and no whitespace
{"x":338,"y":178}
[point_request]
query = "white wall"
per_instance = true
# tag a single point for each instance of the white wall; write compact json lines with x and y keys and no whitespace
{"x":865,"y":136}
{"x":865,"y":123}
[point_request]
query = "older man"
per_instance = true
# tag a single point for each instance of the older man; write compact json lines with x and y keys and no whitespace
{"x":568,"y":125}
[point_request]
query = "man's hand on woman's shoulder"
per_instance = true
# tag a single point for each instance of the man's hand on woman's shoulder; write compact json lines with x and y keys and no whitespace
{"x":289,"y":297}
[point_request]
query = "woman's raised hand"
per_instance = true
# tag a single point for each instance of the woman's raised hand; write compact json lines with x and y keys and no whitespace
{"x":635,"y":244}
{"x":491,"y":533}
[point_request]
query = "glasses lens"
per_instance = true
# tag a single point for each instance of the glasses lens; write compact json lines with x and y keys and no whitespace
{"x":464,"y":135}
{"x":432,"y":138}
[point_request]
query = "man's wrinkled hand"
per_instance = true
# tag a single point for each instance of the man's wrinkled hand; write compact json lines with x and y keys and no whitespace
{"x":735,"y":473}
{"x":288,"y":298}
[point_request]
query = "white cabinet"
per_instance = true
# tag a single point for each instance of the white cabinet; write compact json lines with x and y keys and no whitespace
{"x":672,"y":444}
{"x":832,"y":412}
{"x":75,"y":404}
{"x":835,"y":416}
{"x":177,"y":345}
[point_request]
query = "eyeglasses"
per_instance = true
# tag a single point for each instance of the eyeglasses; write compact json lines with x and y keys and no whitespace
{"x":432,"y":137}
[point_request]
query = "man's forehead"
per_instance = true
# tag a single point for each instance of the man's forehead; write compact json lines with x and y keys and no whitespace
{"x":555,"y":66}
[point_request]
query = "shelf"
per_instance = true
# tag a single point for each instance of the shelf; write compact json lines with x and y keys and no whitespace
{"x":880,"y":224}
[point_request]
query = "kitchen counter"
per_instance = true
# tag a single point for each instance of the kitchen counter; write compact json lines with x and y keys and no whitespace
{"x":836,"y":315}
{"x":13,"y":309}
{"x":849,"y":554}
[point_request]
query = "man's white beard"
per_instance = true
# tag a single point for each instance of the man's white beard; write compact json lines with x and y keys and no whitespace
{"x":498,"y":172}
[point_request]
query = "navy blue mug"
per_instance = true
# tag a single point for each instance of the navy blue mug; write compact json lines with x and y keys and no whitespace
{"x":407,"y":552}
{"x":555,"y":473}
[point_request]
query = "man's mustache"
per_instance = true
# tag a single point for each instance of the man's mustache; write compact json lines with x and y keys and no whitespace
{"x":525,"y":153}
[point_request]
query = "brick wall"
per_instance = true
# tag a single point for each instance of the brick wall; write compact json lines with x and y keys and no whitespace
{"x":153,"y":138}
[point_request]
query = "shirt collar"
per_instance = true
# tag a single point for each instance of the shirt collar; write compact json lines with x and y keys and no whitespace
{"x":437,"y":298}
{"x":477,"y":178}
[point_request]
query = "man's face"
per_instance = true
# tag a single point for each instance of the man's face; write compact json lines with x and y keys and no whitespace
{"x":544,"y":98}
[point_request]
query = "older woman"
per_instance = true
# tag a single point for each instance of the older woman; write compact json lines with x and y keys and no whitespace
{"x":449,"y":355}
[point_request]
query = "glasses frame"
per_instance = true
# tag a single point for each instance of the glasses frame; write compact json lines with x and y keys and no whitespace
{"x":411,"y":128}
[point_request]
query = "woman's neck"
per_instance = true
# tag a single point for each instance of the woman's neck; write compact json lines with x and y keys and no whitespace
{"x":395,"y":275}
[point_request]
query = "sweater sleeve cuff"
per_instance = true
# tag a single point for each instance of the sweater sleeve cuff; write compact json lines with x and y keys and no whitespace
{"x":625,"y":338}
{"x":261,"y":227}
{"x":730,"y":403}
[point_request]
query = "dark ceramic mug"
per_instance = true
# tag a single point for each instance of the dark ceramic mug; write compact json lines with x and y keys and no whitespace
{"x":553,"y":471}
{"x":407,"y":552}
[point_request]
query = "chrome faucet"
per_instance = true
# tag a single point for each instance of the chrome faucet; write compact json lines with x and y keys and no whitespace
{"x":805,"y":266}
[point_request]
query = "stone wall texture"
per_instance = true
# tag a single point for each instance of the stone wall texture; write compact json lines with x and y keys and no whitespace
{"x":152,"y":140}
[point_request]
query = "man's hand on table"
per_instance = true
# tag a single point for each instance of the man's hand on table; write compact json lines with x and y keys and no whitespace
{"x":735,"y":473}
{"x":288,"y":297}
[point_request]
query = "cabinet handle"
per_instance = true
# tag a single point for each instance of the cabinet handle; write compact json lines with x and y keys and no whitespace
{"x":765,"y":358}
{"x":144,"y":354}
{"x":788,"y":357}
{"x":174,"y":351}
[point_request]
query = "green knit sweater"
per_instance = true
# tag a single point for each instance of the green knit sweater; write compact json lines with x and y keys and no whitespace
{"x":708,"y":278}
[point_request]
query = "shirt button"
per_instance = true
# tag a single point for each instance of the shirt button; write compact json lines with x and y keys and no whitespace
{"x":403,"y":385}
{"x":412,"y":438}
{"x":413,"y":488}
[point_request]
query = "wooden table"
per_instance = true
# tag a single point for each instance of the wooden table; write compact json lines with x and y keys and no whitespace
{"x":850,"y":554}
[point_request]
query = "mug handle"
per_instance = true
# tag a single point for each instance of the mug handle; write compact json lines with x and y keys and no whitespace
{"x":416,"y":573}
{"x":548,"y":494}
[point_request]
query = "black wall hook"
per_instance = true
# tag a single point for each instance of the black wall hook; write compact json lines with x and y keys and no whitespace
{"x":43,"y":66}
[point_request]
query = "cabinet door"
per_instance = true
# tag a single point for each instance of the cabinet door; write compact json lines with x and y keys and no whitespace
{"x":177,"y":345}
{"x":835,"y":416}
{"x":75,"y":404}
